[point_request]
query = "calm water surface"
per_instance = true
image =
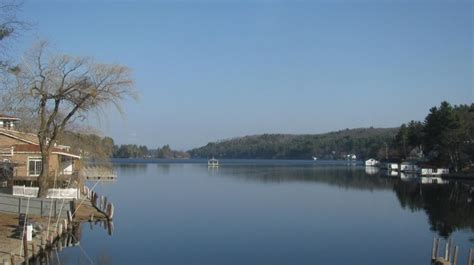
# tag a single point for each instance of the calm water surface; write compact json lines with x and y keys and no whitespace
{"x":272,"y":212}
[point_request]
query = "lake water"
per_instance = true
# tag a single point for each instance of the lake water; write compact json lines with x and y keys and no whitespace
{"x":272,"y":212}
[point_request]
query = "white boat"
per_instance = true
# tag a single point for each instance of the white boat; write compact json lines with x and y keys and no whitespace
{"x":315,"y":158}
{"x":213,"y":162}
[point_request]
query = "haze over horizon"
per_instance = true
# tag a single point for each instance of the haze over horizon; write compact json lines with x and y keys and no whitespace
{"x":209,"y":70}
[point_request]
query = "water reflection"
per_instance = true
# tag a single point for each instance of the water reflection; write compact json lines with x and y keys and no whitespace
{"x":345,"y":177}
{"x":293,"y":206}
{"x":72,"y":239}
{"x":129,"y":169}
{"x":449,"y":207}
{"x":372,"y":170}
{"x":163,"y":168}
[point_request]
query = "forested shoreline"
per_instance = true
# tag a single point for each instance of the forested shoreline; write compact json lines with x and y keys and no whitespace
{"x":445,"y":137}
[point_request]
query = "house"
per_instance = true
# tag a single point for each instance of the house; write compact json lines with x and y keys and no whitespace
{"x":371,"y":162}
{"x":21,"y":152}
{"x":351,"y":157}
{"x":430,"y":170}
{"x":7,"y":122}
{"x":391,"y":166}
{"x":408,"y":167}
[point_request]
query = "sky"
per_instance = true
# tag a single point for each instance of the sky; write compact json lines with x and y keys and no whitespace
{"x":213,"y":70}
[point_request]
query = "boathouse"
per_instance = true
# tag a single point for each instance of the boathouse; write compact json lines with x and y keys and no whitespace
{"x":408,"y":167}
{"x":430,"y":170}
{"x":371,"y":162}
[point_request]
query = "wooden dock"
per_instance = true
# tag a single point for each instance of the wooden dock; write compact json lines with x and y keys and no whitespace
{"x":451,"y":252}
{"x":98,"y":173}
{"x":53,"y":233}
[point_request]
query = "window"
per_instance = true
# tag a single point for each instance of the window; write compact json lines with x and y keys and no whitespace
{"x":34,"y":166}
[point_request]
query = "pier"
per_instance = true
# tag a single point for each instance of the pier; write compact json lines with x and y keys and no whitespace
{"x":101,"y":173}
{"x":55,"y":225}
{"x":450,"y":254}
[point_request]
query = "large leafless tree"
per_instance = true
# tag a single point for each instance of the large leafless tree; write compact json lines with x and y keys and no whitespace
{"x":60,"y":89}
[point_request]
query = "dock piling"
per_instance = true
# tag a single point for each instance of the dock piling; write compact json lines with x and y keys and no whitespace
{"x":446,"y":251}
{"x":25,"y":248}
{"x":471,"y":253}
{"x":434,"y":249}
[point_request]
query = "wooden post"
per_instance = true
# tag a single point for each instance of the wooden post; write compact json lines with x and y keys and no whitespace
{"x":434,"y":249}
{"x":110,"y":211}
{"x":446,"y":251}
{"x":33,"y":252}
{"x":104,"y":208}
{"x":12,"y":258}
{"x":69,"y":217}
{"x":455,"y":257}
{"x":25,"y":247}
{"x":469,"y":260}
{"x":55,"y":208}
{"x":450,"y":249}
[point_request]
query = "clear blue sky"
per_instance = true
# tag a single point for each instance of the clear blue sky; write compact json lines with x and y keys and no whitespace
{"x":211,"y":70}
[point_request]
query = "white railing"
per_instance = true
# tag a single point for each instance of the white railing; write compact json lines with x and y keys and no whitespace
{"x":25,"y":191}
{"x":52,"y":193}
{"x":63,"y":193}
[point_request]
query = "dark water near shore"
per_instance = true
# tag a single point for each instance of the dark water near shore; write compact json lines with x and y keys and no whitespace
{"x":273,"y":212}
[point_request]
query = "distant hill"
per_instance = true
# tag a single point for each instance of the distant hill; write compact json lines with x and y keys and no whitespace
{"x":364,"y":142}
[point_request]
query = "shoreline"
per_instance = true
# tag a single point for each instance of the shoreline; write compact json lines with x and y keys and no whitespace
{"x":11,"y":243}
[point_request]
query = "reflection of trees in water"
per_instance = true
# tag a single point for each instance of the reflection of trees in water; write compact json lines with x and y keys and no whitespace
{"x":163,"y":168}
{"x":131,"y":169}
{"x":449,"y":207}
{"x":72,"y":238}
{"x":344,"y":177}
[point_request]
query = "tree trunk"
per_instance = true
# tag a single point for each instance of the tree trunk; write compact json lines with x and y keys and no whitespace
{"x":43,"y":177}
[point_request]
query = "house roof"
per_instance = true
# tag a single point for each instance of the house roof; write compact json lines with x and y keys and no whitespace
{"x":21,"y":136}
{"x":33,"y":148}
{"x":9,"y":118}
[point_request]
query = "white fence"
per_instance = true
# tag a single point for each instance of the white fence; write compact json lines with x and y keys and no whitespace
{"x":63,"y":193}
{"x":52,"y":193}
{"x":25,"y":191}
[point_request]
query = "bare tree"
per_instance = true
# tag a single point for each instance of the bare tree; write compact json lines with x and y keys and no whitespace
{"x":61,"y":89}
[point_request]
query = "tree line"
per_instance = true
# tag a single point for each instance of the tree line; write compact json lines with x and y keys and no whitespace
{"x":445,"y":137}
{"x":364,"y":142}
{"x":95,"y":147}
